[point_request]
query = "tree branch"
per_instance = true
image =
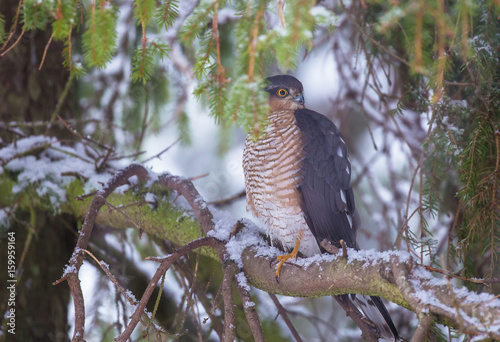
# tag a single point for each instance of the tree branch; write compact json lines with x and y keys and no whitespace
{"x":164,"y":266}
{"x":391,"y":275}
{"x":284,"y":315}
{"x":250,"y":312}
{"x":71,"y":272}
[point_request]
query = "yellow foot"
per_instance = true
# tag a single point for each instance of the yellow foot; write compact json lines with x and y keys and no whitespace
{"x":283,"y":258}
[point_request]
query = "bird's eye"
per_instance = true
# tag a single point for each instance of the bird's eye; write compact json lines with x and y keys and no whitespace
{"x":282,"y":92}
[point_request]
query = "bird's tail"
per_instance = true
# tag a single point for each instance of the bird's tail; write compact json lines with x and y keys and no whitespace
{"x":375,"y":311}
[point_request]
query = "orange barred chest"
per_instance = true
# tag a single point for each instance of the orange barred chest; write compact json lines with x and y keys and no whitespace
{"x":272,"y":174}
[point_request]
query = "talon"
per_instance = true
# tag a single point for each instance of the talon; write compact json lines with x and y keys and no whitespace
{"x":283,"y":258}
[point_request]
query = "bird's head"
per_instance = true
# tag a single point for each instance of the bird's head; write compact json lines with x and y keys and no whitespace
{"x":285,"y":93}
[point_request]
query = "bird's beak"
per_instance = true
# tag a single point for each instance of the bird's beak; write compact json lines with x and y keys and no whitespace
{"x":299,"y":98}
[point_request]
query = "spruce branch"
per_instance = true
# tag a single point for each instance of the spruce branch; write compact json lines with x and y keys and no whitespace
{"x":13,"y":28}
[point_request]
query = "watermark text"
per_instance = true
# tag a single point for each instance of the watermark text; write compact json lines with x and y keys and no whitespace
{"x":11,"y":282}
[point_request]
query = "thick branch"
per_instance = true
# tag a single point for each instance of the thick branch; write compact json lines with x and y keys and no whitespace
{"x":392,"y":276}
{"x":400,"y":281}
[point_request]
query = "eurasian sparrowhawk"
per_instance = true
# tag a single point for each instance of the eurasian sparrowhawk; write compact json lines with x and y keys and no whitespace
{"x":298,"y":181}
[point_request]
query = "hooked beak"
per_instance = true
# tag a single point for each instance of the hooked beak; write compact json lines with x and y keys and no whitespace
{"x":299,"y":98}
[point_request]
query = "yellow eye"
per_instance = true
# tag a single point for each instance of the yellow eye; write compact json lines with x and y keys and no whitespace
{"x":282,"y":92}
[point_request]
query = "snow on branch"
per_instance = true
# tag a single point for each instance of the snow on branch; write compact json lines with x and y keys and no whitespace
{"x":391,"y":274}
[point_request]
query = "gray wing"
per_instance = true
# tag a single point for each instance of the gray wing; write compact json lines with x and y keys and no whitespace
{"x":328,"y":201}
{"x":327,"y":197}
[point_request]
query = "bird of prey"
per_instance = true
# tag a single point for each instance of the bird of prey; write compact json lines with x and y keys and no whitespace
{"x":298,"y":181}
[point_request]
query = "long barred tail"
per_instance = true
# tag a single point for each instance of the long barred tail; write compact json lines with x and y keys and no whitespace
{"x":375,"y":311}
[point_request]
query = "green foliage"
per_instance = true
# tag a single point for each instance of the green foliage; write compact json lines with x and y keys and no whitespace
{"x":77,"y":70}
{"x":144,"y":11}
{"x":65,"y":17}
{"x":297,"y":32}
{"x":247,"y":104}
{"x":183,"y":128}
{"x":480,"y":187}
{"x":430,"y":47}
{"x":166,"y":13}
{"x":2,"y":29}
{"x":99,"y":38}
{"x":461,"y":173}
{"x":196,"y":24}
{"x":239,"y":97}
{"x":145,"y":58}
{"x":36,"y":14}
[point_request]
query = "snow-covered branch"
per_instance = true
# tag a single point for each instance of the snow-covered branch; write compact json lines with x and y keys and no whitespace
{"x":392,"y":275}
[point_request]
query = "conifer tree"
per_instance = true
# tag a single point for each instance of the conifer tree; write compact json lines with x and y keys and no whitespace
{"x":86,"y":82}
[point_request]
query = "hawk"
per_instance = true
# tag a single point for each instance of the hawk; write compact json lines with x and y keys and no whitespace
{"x":298,"y":181}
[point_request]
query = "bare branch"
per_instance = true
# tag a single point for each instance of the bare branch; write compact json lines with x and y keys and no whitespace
{"x":186,"y":188}
{"x":71,"y":274}
{"x":423,"y":327}
{"x":284,"y":315}
{"x":250,"y":313}
{"x":164,"y":266}
{"x":227,"y":294}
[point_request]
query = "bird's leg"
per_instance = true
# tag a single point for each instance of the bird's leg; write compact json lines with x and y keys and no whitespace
{"x":283,"y":258}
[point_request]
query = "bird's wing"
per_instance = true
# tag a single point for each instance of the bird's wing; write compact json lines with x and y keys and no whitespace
{"x":328,"y":201}
{"x":327,"y":197}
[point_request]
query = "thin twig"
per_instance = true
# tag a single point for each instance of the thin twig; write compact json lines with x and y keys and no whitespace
{"x":15,"y":43}
{"x":165,"y":264}
{"x":76,"y":260}
{"x":282,"y":312}
{"x":379,"y":45}
{"x":73,"y":131}
{"x":228,"y":200}
{"x":14,"y":26}
{"x":452,"y":275}
{"x":344,"y":249}
{"x":163,"y":151}
{"x":45,"y":51}
{"x":329,"y":247}
{"x":186,"y":188}
{"x":60,"y":103}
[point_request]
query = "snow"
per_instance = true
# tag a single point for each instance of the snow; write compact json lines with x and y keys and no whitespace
{"x":324,"y":17}
{"x":426,"y":286}
{"x":478,"y":298}
{"x":249,"y":236}
{"x":370,"y":256}
{"x":49,"y":167}
{"x":242,"y":281}
{"x":4,"y":217}
{"x":150,"y":199}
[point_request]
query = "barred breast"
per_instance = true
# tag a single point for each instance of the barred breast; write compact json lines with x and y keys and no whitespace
{"x":272,"y":173}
